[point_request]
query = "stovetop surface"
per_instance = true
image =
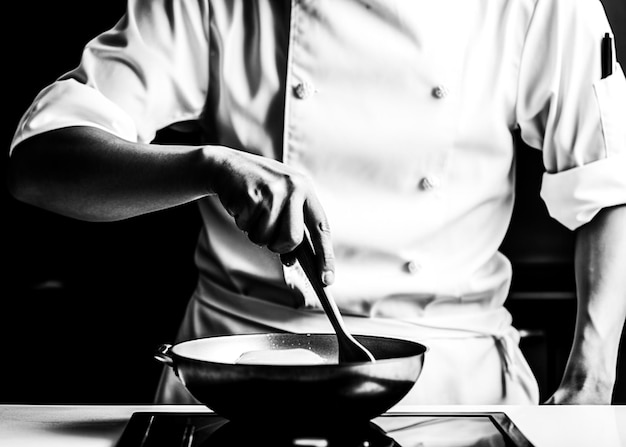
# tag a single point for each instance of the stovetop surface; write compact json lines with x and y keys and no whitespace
{"x":146,"y":429}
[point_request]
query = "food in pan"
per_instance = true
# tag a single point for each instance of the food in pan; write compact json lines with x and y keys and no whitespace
{"x":296,"y":356}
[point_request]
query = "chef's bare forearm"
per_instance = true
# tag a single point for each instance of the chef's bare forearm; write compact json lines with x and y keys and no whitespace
{"x":601,"y":286}
{"x":89,"y":174}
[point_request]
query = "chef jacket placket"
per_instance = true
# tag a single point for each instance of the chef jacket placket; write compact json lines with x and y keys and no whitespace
{"x":440,"y":86}
{"x":418,"y":125}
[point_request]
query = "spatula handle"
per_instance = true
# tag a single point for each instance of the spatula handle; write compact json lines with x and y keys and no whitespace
{"x":350,"y":350}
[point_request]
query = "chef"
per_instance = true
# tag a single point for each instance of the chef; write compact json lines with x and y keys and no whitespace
{"x":383,"y":129}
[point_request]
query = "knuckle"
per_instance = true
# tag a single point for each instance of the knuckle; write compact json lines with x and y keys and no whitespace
{"x":257,"y":194}
{"x":296,"y":234}
{"x":329,"y":260}
{"x":282,"y":247}
{"x":328,"y":256}
{"x":295,"y":242}
{"x":280,"y":184}
{"x":286,"y":243}
{"x":324,"y":227}
{"x":297,"y":181}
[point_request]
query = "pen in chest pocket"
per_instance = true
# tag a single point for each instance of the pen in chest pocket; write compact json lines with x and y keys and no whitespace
{"x":607,"y":56}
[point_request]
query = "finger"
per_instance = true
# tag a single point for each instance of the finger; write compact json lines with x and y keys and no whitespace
{"x":269,"y":228}
{"x":289,"y":229}
{"x":240,"y":213}
{"x":319,"y":232}
{"x":229,"y":206}
{"x":256,"y":230}
{"x":246,"y":216}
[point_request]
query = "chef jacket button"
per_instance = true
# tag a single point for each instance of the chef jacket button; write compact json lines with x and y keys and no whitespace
{"x":412,"y":267}
{"x":429,"y":182}
{"x":440,"y":92}
{"x":303,"y":90}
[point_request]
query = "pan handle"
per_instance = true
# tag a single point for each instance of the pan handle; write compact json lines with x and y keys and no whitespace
{"x":164,"y":355}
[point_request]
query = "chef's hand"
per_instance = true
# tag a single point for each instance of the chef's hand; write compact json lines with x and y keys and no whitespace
{"x":584,"y":382}
{"x":272,"y":203}
{"x":575,"y":395}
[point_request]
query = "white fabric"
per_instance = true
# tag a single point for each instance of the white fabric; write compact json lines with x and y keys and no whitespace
{"x":579,"y":188}
{"x":401,"y":111}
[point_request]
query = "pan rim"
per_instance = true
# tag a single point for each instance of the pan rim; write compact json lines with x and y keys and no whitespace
{"x":173,"y":350}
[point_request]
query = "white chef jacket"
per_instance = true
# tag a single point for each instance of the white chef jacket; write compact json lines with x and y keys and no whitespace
{"x":401,"y":112}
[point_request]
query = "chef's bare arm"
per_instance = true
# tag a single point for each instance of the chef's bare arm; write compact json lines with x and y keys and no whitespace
{"x":90,"y":174}
{"x":601,"y":285}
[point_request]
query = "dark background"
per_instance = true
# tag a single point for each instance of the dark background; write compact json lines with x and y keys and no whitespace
{"x":84,"y":305}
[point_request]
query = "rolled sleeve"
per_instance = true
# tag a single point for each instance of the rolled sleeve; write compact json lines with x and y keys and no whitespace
{"x":70,"y":103}
{"x":149,"y":71}
{"x":570,"y":113}
{"x":575,"y":196}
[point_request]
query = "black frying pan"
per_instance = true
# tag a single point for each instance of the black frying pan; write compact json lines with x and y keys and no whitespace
{"x":295,"y":393}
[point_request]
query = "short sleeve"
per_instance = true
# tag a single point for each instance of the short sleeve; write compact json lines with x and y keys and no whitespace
{"x":568,"y":111}
{"x":149,"y":71}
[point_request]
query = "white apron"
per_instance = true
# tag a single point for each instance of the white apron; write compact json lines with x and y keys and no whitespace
{"x":463,"y":364}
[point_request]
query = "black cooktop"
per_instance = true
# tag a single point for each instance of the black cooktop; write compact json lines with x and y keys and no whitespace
{"x":146,"y":429}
